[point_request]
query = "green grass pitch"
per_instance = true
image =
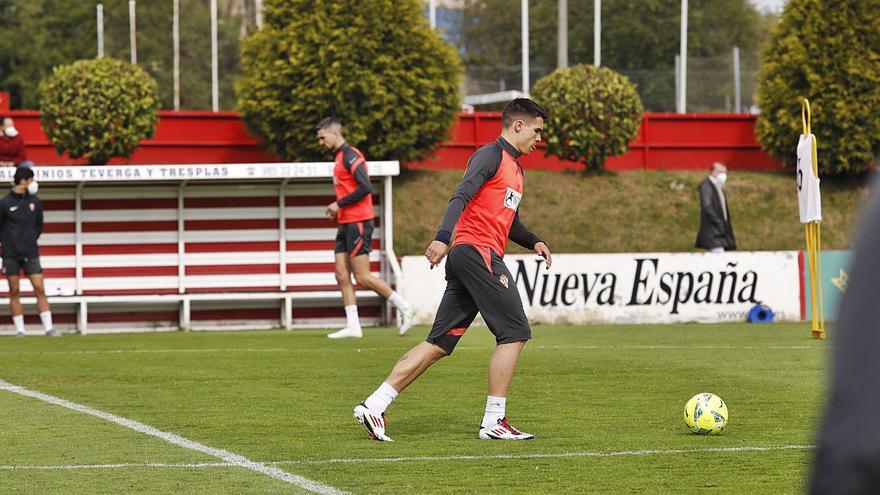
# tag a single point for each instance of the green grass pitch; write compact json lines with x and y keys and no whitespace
{"x":605,"y":403}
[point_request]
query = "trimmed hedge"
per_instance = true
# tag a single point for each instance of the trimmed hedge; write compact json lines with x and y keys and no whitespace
{"x":829,"y":52}
{"x":594,"y":113}
{"x":100,"y":108}
{"x":387,"y":76}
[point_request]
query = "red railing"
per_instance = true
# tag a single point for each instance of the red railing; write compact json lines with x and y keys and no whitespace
{"x":664,"y":142}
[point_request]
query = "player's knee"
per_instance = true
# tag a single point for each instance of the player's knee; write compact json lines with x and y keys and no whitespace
{"x":14,"y":292}
{"x":342,"y":278}
{"x":364,"y":279}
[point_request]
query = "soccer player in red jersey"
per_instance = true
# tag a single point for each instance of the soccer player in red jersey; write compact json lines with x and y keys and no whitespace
{"x":353,"y":211}
{"x":483,"y":213}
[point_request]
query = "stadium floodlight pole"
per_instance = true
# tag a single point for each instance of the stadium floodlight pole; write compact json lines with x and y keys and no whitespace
{"x":100,"y":13}
{"x":597,"y":33}
{"x":215,"y":90}
{"x":562,"y":35}
{"x":432,"y":13}
{"x":737,"y":83}
{"x":258,"y":13}
{"x":524,"y":4}
{"x":175,"y":35}
{"x":682,"y":83}
{"x":132,"y":30}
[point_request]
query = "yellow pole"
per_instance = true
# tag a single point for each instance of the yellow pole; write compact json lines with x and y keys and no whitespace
{"x":813,"y":234}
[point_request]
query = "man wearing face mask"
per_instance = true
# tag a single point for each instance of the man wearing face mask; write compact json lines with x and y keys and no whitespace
{"x":21,"y":223}
{"x":716,"y":232}
{"x":12,"y":150}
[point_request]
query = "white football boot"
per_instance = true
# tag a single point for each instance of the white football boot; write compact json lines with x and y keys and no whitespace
{"x":406,"y":320}
{"x":503,"y":431}
{"x":346,"y":333}
{"x":372,"y":421}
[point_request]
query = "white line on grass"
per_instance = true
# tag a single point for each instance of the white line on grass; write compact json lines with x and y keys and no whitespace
{"x":229,"y":457}
{"x":559,"y":455}
{"x":397,"y":349}
{"x":146,"y":351}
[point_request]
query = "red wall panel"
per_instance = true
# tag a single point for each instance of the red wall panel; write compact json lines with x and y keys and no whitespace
{"x":664,"y":142}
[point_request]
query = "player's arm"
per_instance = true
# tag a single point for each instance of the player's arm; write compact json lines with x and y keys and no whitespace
{"x":481,"y":167}
{"x":521,"y":235}
{"x":39,"y":208}
{"x":352,"y":161}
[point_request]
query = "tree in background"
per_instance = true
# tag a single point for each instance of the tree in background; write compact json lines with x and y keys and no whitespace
{"x":38,"y":35}
{"x":387,"y":76}
{"x":640,"y":38}
{"x":99,"y":108}
{"x":829,"y":52}
{"x":594,"y":114}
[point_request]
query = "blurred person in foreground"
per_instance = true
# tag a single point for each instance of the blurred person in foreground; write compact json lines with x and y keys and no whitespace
{"x":848,"y":459}
{"x":484,"y":213}
{"x":21,"y":224}
{"x":12,"y":148}
{"x":716,"y":232}
{"x":353,"y":211}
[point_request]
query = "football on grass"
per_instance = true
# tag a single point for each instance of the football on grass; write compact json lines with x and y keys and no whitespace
{"x":706,"y":414}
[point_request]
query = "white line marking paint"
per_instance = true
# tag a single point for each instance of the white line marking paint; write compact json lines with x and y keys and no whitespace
{"x":398,"y":349}
{"x":559,"y":455}
{"x":224,"y":455}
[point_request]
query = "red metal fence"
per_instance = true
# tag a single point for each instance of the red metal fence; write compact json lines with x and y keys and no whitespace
{"x":664,"y":142}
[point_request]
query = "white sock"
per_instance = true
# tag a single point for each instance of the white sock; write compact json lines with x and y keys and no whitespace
{"x":381,"y":398}
{"x":18,"y":320}
{"x":398,"y":301}
{"x":46,"y":318}
{"x":351,"y":317}
{"x":495,"y":407}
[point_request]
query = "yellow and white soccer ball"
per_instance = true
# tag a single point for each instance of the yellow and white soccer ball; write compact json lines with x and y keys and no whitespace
{"x":706,"y":414}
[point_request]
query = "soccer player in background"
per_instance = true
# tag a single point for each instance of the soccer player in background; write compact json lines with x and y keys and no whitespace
{"x":353,"y":211}
{"x":21,"y":223}
{"x":483,"y":213}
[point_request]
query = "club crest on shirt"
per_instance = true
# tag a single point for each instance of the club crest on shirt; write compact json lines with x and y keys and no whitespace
{"x":512,"y":199}
{"x":32,"y":207}
{"x":503,"y":280}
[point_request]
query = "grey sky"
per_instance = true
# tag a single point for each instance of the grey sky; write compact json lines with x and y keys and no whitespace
{"x":769,"y":5}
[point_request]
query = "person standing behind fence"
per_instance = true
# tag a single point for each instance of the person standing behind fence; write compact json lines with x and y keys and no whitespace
{"x":353,"y":211}
{"x":21,"y":223}
{"x":716,"y":232}
{"x":12,"y":149}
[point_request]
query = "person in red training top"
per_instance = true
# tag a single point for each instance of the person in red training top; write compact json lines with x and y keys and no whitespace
{"x":353,"y":211}
{"x":484,"y":213}
{"x":12,"y":151}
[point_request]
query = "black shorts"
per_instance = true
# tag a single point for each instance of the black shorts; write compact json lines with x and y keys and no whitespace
{"x":355,"y":238}
{"x":12,"y":266}
{"x":478,"y":281}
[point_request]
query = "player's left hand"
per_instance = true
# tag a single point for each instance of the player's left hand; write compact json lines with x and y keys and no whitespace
{"x":332,"y":210}
{"x":544,"y":252}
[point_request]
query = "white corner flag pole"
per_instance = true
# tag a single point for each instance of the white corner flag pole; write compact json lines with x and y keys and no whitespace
{"x":810,"y":209}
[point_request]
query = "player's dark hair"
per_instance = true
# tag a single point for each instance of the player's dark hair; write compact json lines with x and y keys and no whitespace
{"x":521,"y":108}
{"x":22,"y":173}
{"x":327,"y":123}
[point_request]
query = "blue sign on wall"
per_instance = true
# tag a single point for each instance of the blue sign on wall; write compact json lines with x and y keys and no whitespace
{"x":834,"y":277}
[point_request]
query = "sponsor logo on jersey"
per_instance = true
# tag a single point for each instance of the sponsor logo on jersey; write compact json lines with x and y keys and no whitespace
{"x":503,"y":280}
{"x":512,"y":199}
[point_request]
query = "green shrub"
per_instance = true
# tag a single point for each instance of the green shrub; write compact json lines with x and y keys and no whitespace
{"x":387,"y":76}
{"x":99,"y":108}
{"x":594,"y":113}
{"x":829,"y":52}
